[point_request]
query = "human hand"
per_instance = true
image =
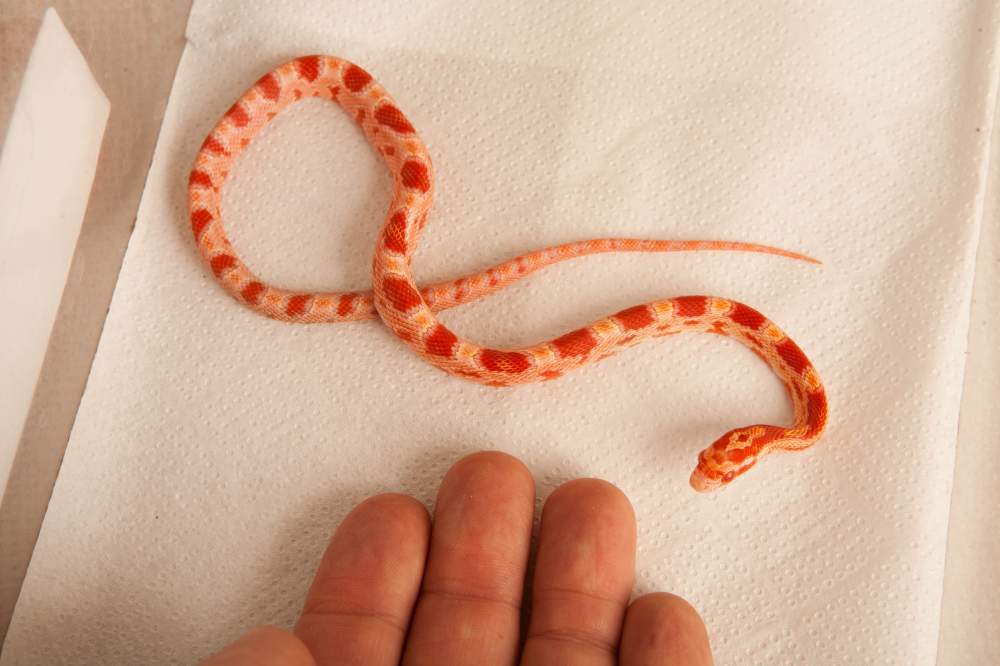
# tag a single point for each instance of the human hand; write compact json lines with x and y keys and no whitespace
{"x":390,"y":589}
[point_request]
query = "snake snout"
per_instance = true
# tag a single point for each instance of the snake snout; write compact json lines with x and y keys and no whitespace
{"x":702,"y":482}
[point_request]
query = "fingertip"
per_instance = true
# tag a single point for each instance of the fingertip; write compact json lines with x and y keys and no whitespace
{"x":493,"y":474}
{"x":399,"y":508}
{"x":495,"y":479}
{"x":493,"y":463}
{"x":664,"y":628}
{"x":382,"y":520}
{"x":591,"y":495}
{"x":668,"y":609}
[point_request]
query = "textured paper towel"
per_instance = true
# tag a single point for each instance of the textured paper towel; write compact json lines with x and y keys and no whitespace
{"x":215,"y":450}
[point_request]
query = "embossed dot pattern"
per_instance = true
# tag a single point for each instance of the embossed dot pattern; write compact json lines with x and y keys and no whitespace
{"x":215,"y":450}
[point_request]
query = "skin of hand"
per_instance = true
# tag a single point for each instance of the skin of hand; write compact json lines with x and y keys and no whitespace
{"x":396,"y":587}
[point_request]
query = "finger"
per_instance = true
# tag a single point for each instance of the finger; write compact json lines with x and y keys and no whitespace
{"x":663,"y":629}
{"x":360,"y":602}
{"x":583,"y":576}
{"x":264,"y":646}
{"x":469,"y":606}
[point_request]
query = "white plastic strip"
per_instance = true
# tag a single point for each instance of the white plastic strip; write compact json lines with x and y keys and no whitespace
{"x":46,"y":170}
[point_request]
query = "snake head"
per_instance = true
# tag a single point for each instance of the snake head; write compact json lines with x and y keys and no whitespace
{"x":731,"y":455}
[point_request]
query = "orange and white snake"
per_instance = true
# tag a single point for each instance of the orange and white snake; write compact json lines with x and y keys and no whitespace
{"x":409,"y":310}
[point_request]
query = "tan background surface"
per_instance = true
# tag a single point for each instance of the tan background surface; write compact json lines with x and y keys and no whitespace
{"x":132,"y":48}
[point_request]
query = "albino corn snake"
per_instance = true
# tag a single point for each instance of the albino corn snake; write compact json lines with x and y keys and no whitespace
{"x":409,"y":310}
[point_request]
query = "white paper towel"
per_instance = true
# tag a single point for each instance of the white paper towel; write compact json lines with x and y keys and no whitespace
{"x":215,"y":450}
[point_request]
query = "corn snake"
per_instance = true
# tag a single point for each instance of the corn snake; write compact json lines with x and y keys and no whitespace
{"x":409,"y":310}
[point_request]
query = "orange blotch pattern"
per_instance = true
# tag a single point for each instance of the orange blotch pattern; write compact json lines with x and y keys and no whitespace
{"x":199,"y":220}
{"x":399,"y":292}
{"x":691,"y":306}
{"x":576,"y":343}
{"x":634,"y":318}
{"x":268,"y":86}
{"x":415,"y":175}
{"x":497,"y":360}
{"x":221,"y":262}
{"x":390,"y":116}
{"x":308,"y":67}
{"x":297,"y":305}
{"x":238,"y":115}
{"x":441,"y":342}
{"x":793,"y":356}
{"x":251,"y":293}
{"x":745,"y":316}
{"x":200,"y":178}
{"x":212,"y":144}
{"x":345,"y":305}
{"x":395,"y":233}
{"x":816,"y":409}
{"x":356,"y":78}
